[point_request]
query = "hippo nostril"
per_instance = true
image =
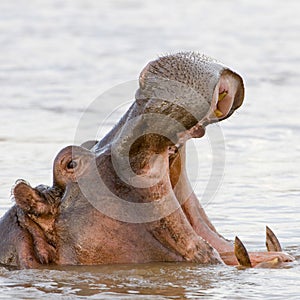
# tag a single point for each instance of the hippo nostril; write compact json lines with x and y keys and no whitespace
{"x":72,"y":164}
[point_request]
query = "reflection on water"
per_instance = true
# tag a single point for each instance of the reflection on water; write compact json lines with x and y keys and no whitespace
{"x":56,"y":57}
{"x":150,"y":281}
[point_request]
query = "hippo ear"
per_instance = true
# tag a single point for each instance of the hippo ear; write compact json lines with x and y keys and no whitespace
{"x":29,"y":199}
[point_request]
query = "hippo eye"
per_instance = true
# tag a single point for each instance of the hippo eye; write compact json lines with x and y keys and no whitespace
{"x":72,"y":164}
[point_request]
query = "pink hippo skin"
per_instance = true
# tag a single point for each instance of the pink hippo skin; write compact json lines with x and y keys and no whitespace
{"x":128,"y":198}
{"x":95,"y":227}
{"x":27,"y":230}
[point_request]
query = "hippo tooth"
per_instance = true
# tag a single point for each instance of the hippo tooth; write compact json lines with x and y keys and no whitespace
{"x":222,"y":96}
{"x":218,"y":113}
{"x":272,"y":242}
{"x":241,"y":253}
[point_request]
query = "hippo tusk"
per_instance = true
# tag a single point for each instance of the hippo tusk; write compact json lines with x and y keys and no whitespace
{"x":222,"y":96}
{"x":241,"y":253}
{"x":272,"y":242}
{"x":218,"y":113}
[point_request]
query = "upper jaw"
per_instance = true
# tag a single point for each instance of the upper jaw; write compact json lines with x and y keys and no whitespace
{"x":224,"y":103}
{"x":215,"y":114}
{"x":221,"y":108}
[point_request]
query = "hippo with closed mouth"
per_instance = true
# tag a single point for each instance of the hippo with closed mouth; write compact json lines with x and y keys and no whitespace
{"x":127,"y":198}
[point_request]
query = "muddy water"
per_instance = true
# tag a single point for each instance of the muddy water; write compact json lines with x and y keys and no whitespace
{"x":57,"y":57}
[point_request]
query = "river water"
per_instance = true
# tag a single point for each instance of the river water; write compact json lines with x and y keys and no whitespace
{"x":58,"y":56}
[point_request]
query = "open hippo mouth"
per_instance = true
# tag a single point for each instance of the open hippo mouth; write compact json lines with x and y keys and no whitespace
{"x":144,"y":194}
{"x":228,"y":96}
{"x":127,"y":198}
{"x":141,"y":162}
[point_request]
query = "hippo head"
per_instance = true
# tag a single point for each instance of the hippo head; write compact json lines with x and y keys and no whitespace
{"x":136,"y":173}
{"x":127,"y":198}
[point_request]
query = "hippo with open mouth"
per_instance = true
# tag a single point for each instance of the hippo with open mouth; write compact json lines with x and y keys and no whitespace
{"x":127,"y":198}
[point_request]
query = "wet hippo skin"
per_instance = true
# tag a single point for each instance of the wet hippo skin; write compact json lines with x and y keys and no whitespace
{"x":27,"y":230}
{"x":127,"y":198}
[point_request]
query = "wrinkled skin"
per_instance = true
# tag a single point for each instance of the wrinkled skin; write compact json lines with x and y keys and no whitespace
{"x":28,"y":238}
{"x":87,"y":224}
{"x":27,"y":230}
